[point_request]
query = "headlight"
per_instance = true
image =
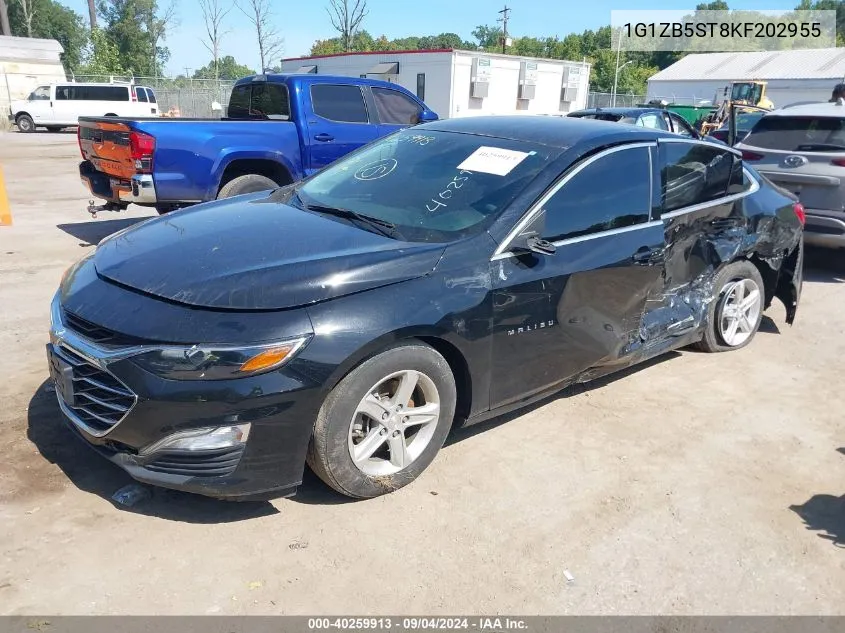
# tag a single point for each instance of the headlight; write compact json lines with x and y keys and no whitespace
{"x":218,"y":363}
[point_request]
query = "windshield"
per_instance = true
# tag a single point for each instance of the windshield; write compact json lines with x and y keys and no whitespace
{"x":601,"y":116}
{"x":798,"y":133}
{"x":431,"y":186}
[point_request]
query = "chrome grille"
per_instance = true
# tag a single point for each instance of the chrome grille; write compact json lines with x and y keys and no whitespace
{"x":99,"y":399}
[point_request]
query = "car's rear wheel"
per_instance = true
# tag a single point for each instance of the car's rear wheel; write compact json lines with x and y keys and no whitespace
{"x":25,"y":123}
{"x":383,"y":424}
{"x":734,"y":315}
{"x":251,"y":183}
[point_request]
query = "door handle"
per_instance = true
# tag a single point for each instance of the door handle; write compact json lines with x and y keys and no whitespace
{"x":323,"y":137}
{"x":648,"y":256}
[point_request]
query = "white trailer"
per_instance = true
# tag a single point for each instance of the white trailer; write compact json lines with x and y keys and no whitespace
{"x":456,"y":83}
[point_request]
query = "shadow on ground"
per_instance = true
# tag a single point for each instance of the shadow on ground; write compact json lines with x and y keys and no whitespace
{"x":91,"y":473}
{"x":824,"y":265}
{"x":824,"y":514}
{"x":91,"y":232}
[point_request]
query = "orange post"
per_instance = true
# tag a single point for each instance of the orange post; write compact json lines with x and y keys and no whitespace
{"x":5,"y":210}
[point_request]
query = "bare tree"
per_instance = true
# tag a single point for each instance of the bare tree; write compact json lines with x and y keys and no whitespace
{"x":5,"y":29}
{"x":270,"y":41}
{"x":92,"y":13}
{"x":158,"y":24}
{"x":213,"y":12}
{"x":346,"y":22}
{"x":28,"y":10}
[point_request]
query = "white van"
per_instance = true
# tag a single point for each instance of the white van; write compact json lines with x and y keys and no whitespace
{"x":60,"y":105}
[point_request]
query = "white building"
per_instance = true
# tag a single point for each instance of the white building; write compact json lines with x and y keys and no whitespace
{"x":25,"y":64}
{"x":456,"y":83}
{"x":793,"y":76}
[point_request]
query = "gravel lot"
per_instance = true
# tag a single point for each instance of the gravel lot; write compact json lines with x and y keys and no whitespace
{"x":700,"y":484}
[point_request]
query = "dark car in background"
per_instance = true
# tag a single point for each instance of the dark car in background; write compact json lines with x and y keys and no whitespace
{"x":654,"y":118}
{"x":437,"y":277}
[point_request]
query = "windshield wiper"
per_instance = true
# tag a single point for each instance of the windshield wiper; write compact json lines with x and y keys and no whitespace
{"x":819,"y":147}
{"x":383,"y":227}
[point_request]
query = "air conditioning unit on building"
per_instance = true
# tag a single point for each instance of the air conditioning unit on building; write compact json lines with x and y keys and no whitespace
{"x":571,"y":83}
{"x":527,"y":80}
{"x":480,"y":77}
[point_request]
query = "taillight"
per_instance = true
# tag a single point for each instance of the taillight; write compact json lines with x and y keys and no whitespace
{"x":79,"y":140}
{"x":746,"y":155}
{"x":839,"y":162}
{"x":799,"y":213}
{"x":134,"y":96}
{"x":141,"y":147}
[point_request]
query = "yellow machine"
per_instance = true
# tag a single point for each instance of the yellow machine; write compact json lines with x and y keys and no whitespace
{"x":739,"y":93}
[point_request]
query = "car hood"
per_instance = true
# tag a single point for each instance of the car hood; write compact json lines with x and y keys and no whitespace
{"x":253,"y":253}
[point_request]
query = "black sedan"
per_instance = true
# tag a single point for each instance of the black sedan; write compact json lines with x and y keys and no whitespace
{"x":437,"y":277}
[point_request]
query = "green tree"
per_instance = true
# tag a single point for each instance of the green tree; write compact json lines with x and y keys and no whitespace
{"x":717,"y":5}
{"x":102,"y":56}
{"x":488,"y":36}
{"x":138,"y":28}
{"x":828,"y":5}
{"x":228,"y":69}
{"x":53,"y":21}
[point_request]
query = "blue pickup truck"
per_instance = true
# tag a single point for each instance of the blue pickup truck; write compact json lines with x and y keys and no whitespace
{"x":278,"y":129}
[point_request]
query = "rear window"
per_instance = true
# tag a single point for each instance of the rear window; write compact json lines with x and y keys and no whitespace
{"x":141,"y":93}
{"x":795,"y":134}
{"x":151,"y":95}
{"x":260,"y":100}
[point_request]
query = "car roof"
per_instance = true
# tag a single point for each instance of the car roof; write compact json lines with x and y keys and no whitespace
{"x":811,"y":109}
{"x":312,"y":78}
{"x":559,"y":132}
{"x":623,"y":111}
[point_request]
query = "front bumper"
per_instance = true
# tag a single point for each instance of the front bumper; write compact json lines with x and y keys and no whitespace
{"x":140,"y":189}
{"x":824,"y":229}
{"x":119,"y":410}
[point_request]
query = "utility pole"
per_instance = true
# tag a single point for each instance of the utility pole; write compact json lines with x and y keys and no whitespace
{"x":504,"y":20}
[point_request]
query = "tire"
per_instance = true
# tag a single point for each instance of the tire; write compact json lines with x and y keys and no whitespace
{"x":250,"y":183}
{"x":340,"y":425}
{"x":165,"y":208}
{"x":25,"y":124}
{"x":54,"y":129}
{"x":739,"y":280}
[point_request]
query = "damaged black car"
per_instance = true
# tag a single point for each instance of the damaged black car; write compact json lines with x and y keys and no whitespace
{"x":438,"y":277}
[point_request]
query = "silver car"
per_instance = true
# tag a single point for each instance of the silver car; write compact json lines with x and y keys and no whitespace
{"x":802,"y":150}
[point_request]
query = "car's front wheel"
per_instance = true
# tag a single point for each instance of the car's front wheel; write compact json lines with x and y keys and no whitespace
{"x":25,"y":123}
{"x":734,"y":315}
{"x":383,"y":424}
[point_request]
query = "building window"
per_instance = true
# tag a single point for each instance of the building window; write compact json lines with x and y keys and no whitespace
{"x":421,"y":86}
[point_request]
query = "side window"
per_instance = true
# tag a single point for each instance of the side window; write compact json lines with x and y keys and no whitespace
{"x":41,"y":93}
{"x":339,"y":103}
{"x":239,"y":102}
{"x":680,"y":126}
{"x":64,"y":93}
{"x":693,"y":173}
{"x":394,"y":107}
{"x":738,"y":182}
{"x":141,"y":93}
{"x":651,"y":120}
{"x":151,"y":95}
{"x":586,"y":204}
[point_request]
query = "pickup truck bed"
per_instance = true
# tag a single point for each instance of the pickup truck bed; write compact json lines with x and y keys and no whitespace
{"x":281,"y":129}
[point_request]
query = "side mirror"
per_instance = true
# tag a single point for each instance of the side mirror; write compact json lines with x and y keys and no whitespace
{"x":426,"y":116}
{"x":529,"y":241}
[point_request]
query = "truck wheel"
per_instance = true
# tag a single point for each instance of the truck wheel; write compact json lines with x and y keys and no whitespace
{"x":25,"y":123}
{"x":734,"y":315}
{"x":383,"y":424}
{"x":246,"y":184}
{"x":54,"y":129}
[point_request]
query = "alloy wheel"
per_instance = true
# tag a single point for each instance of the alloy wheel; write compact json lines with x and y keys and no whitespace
{"x":740,"y":311}
{"x":394,"y":423}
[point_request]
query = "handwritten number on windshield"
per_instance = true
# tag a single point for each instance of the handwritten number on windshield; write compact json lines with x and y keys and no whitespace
{"x":456,"y":183}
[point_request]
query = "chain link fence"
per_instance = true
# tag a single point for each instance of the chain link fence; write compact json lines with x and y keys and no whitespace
{"x":629,"y":100}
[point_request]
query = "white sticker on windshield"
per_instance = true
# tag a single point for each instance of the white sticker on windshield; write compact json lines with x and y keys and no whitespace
{"x":493,"y":160}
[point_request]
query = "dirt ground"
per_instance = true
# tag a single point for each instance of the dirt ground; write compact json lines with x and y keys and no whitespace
{"x":700,"y":484}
